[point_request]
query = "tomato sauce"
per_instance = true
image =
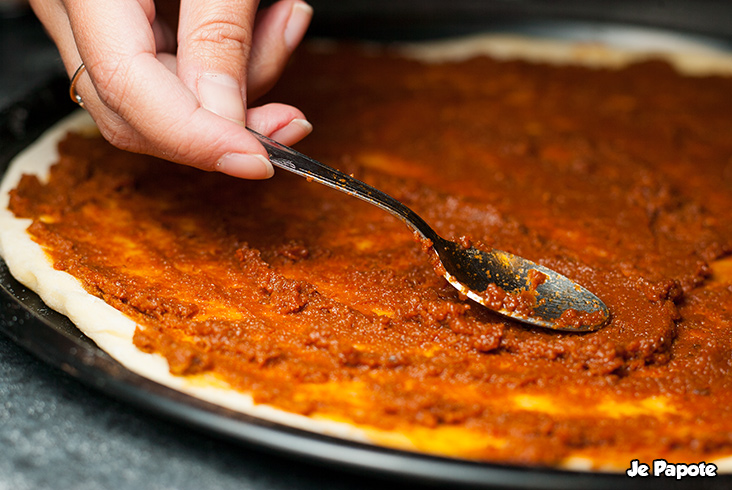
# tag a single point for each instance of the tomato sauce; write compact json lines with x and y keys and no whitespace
{"x":320,"y":304}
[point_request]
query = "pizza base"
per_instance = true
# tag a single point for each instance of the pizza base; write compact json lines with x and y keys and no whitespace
{"x":112,"y":331}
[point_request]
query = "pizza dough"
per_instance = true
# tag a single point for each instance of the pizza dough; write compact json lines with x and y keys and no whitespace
{"x":30,"y":265}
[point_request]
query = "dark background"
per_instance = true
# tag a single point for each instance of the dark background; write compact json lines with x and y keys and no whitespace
{"x":388,"y":18}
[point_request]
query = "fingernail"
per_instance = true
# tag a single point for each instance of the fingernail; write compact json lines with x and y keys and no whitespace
{"x":296,"y":130}
{"x":221,"y":94}
{"x":297,"y":24}
{"x":245,"y":166}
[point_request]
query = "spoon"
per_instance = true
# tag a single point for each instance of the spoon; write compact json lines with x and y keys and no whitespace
{"x":503,"y":282}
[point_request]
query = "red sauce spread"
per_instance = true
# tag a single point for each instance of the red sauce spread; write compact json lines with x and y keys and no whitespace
{"x":572,"y":318}
{"x":321,"y":304}
{"x":498,"y":299}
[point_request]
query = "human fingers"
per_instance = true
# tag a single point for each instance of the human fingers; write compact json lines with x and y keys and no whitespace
{"x":214,"y":38}
{"x":213,"y":55}
{"x":137,"y":102}
{"x":277,"y":32}
{"x":54,"y":17}
{"x":142,"y":106}
{"x":280,"y":122}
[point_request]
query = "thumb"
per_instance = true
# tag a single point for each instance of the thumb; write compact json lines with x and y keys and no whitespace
{"x":213,"y":51}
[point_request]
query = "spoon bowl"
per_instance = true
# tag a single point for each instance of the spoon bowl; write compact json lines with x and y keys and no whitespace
{"x":520,"y":289}
{"x":503,"y":282}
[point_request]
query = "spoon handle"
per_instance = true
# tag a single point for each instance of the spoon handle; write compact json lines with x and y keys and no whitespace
{"x":285,"y":157}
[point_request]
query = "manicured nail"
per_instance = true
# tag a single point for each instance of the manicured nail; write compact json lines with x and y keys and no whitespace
{"x":297,"y":24}
{"x":221,"y":94}
{"x":296,"y":130}
{"x":245,"y":166}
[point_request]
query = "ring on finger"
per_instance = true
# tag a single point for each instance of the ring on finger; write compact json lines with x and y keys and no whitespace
{"x":72,"y":87}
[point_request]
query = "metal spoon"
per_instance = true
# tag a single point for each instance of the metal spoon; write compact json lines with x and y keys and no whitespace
{"x":503,"y":282}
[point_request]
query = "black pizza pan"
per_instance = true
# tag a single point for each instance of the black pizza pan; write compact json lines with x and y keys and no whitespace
{"x":52,"y":337}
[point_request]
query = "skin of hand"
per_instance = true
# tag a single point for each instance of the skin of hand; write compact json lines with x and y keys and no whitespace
{"x":172,"y":79}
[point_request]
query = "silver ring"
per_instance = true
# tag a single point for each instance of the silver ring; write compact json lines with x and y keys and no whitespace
{"x":72,"y":87}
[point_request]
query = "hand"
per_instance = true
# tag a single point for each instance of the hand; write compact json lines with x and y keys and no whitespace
{"x":190,"y":108}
